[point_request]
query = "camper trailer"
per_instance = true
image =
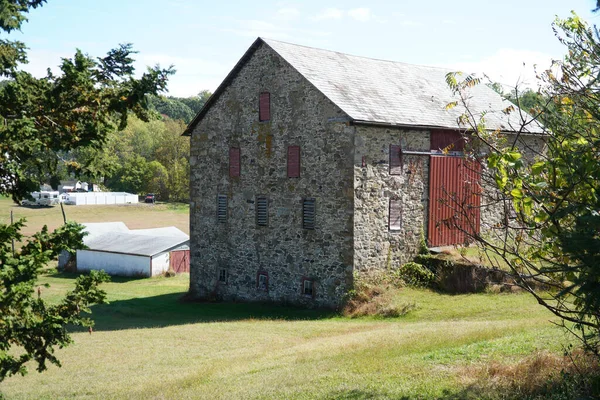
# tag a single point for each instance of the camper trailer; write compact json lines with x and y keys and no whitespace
{"x":43,"y":199}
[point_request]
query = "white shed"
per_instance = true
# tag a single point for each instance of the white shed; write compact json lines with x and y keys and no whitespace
{"x":132,"y":254}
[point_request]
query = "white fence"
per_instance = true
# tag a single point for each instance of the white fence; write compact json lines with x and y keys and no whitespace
{"x":100,"y":198}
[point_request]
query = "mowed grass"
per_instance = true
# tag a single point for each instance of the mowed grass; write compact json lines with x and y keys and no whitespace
{"x":148,"y":344}
{"x":135,"y":216}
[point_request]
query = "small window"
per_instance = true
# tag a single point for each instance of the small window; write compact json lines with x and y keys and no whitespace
{"x":395,"y":215}
{"x":222,"y":209}
{"x":262,"y":211}
{"x":308,"y":287}
{"x":262,"y":281}
{"x":234,"y":161}
{"x":395,"y":159}
{"x":223,"y":276}
{"x":293,"y":162}
{"x":308,"y":214}
{"x":264,"y":107}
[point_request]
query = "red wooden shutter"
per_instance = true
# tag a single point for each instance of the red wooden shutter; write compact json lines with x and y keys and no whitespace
{"x":293,"y":162}
{"x":395,"y":159}
{"x":234,"y":161}
{"x":395,"y":215}
{"x":264,"y":107}
{"x":447,"y":140}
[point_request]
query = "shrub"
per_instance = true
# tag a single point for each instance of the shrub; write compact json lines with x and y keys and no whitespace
{"x":416,"y":275}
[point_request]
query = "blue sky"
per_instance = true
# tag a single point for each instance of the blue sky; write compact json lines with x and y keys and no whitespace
{"x":204,"y":39}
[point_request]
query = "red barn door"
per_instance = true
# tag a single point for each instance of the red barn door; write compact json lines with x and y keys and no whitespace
{"x":180,"y":261}
{"x":454,"y":200}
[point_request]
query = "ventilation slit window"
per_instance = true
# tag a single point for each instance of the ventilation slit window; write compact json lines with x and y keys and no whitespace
{"x":222,"y":209}
{"x":308,"y":214}
{"x":395,"y":215}
{"x":264,"y":107}
{"x":395,"y":159}
{"x":234,"y":161}
{"x":262,"y":211}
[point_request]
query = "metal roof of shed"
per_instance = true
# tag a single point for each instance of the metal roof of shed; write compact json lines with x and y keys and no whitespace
{"x":165,"y":231}
{"x":95,"y":229}
{"x":134,"y":244}
{"x":383,"y":92}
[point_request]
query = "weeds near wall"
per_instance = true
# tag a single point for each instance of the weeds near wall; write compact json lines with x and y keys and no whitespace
{"x":374,"y":294}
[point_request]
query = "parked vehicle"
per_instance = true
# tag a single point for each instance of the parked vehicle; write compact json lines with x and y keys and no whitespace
{"x":42,"y":199}
{"x":150,"y":198}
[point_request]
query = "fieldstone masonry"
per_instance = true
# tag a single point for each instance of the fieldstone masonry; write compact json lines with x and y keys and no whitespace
{"x":283,"y":250}
{"x":344,"y":168}
{"x":375,"y":246}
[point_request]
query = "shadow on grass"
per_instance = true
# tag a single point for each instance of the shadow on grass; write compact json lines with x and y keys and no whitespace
{"x":52,"y":273}
{"x":168,"y":310}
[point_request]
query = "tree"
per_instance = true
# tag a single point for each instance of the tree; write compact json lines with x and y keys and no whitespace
{"x":180,"y":108}
{"x":41,"y":121}
{"x":550,"y":234}
{"x":30,"y":328}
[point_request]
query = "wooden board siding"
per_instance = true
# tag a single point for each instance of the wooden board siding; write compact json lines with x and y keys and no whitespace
{"x":180,"y":261}
{"x":454,"y":200}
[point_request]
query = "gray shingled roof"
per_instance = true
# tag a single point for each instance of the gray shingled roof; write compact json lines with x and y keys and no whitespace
{"x":130,"y":243}
{"x":390,"y":92}
{"x":383,"y":92}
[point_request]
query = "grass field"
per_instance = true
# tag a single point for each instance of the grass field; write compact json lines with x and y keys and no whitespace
{"x":148,"y":344}
{"x":135,"y":216}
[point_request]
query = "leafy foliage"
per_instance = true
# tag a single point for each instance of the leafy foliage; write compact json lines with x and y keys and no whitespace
{"x":41,"y":121}
{"x":416,"y":275}
{"x":78,"y":108}
{"x":30,"y":328}
{"x":551,"y":229}
{"x":179,"y":108}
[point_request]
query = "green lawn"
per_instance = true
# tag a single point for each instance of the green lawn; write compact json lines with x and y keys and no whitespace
{"x":147,"y":344}
{"x":135,"y":216}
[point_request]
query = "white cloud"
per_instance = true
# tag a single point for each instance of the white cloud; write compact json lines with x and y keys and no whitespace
{"x":329,"y":13}
{"x":288,"y":13}
{"x":360,"y":14}
{"x":507,"y":66}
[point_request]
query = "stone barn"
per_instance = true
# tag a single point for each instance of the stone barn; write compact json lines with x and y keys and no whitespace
{"x":308,"y":165}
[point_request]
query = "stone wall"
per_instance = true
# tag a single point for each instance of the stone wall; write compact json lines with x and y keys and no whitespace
{"x":287,"y":253}
{"x":375,"y":245}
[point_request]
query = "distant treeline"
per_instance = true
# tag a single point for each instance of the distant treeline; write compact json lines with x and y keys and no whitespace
{"x":145,"y":157}
{"x":179,"y":108}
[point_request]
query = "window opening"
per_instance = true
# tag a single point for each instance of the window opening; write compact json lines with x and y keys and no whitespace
{"x":262,"y":211}
{"x":308,"y":214}
{"x":262,"y":281}
{"x":264,"y":107}
{"x":222,"y":209}
{"x":395,"y":159}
